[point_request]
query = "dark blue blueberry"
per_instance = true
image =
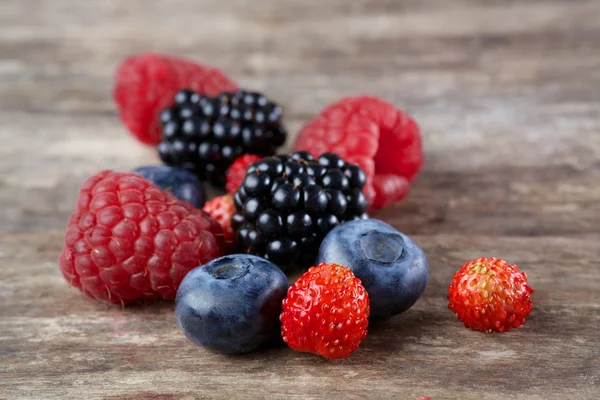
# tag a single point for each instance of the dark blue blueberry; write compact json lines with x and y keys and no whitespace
{"x":182,"y":183}
{"x":392,"y":268}
{"x":232,"y":304}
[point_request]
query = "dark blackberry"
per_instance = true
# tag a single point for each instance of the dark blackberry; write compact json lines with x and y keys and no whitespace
{"x":287,"y":204}
{"x":206,"y":134}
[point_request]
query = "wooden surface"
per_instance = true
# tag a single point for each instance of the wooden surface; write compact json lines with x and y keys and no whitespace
{"x":508,"y":97}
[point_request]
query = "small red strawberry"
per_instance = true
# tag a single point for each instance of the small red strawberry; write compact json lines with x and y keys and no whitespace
{"x":237,"y":171}
{"x":489,"y":294}
{"x":221,"y":208}
{"x":325,"y":312}
{"x":129,"y":240}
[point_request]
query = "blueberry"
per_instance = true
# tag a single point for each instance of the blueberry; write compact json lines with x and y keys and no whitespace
{"x":390,"y":265}
{"x":183,"y":184}
{"x":232,"y":304}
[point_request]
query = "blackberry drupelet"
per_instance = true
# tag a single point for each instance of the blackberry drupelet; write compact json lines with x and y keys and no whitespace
{"x":206,"y":134}
{"x":287,"y":204}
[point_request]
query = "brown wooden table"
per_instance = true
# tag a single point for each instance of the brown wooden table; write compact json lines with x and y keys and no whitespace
{"x":508,"y":97}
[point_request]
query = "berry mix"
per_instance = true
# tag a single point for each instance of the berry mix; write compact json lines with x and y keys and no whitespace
{"x":152,"y":234}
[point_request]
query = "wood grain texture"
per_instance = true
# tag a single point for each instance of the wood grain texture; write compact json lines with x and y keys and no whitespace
{"x":507,"y":94}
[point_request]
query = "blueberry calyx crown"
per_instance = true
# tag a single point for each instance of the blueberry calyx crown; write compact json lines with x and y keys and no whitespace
{"x":230,"y":271}
{"x":287,"y":204}
{"x":206,"y":134}
{"x":381,"y":247}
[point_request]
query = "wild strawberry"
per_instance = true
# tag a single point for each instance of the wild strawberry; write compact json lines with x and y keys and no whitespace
{"x":237,"y":171}
{"x":221,"y":208}
{"x":489,"y":294}
{"x":325,"y":312}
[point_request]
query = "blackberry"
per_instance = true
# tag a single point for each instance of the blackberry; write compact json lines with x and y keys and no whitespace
{"x":206,"y":134}
{"x":287,"y":204}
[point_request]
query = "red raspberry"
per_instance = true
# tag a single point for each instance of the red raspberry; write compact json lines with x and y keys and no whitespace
{"x":221,"y":208}
{"x":384,"y":141}
{"x":237,"y":171}
{"x":325,"y":312}
{"x":488,"y":295}
{"x":129,"y":240}
{"x":146,"y":83}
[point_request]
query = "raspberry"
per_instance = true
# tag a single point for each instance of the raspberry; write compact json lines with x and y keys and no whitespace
{"x":287,"y":204}
{"x":384,"y":141}
{"x":325,"y":312}
{"x":221,"y":208}
{"x":146,"y":83}
{"x":237,"y":171}
{"x":206,"y":134}
{"x":489,"y":294}
{"x":127,"y":240}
